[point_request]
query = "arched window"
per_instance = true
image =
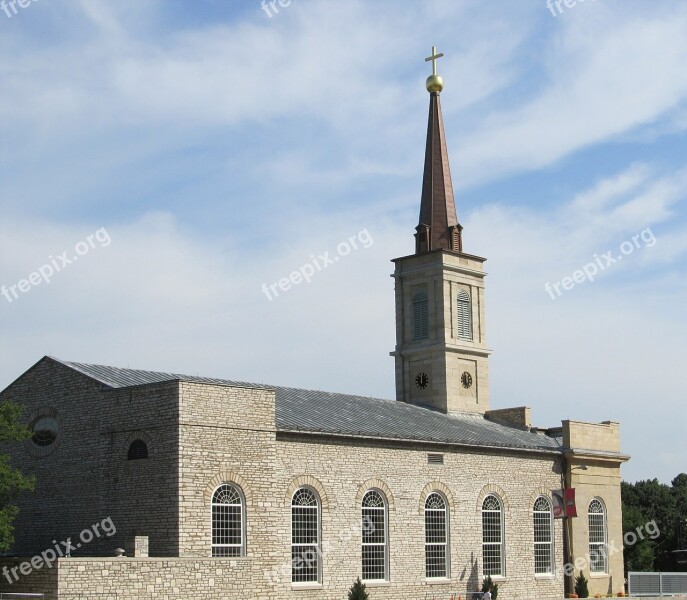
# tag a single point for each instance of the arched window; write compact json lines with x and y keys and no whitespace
{"x":305,"y":537}
{"x":228,"y":537}
{"x":436,"y":536}
{"x":464,"y":315}
{"x":492,"y":536}
{"x":597,"y":537}
{"x":543,"y":536}
{"x":138,"y":450}
{"x":375,"y":537}
{"x":420,"y":316}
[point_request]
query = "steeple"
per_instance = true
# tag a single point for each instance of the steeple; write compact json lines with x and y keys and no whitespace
{"x":441,"y":350}
{"x":438,"y":228}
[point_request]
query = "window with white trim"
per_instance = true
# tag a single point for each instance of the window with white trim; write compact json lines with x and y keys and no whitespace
{"x":543,"y":536}
{"x":375,"y":547}
{"x":227,"y":522}
{"x":597,"y":537}
{"x":420,"y":315}
{"x":305,"y":537}
{"x":436,"y":537}
{"x":464,"y":315}
{"x":492,"y":536}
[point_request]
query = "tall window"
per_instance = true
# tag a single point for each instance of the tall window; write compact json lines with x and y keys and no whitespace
{"x":597,"y":537}
{"x":420,"y":316}
{"x":436,"y":536}
{"x":543,"y":536}
{"x":227,"y":522}
{"x":464,"y":315}
{"x":375,"y":551}
{"x":305,"y":537}
{"x":492,"y":536}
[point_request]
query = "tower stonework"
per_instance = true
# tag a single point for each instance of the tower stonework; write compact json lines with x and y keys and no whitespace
{"x":441,"y":353}
{"x":443,"y":369}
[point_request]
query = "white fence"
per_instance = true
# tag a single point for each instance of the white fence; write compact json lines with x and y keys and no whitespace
{"x":656,"y":584}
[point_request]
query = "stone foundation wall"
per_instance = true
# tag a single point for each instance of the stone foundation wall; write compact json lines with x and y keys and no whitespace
{"x":153,"y":578}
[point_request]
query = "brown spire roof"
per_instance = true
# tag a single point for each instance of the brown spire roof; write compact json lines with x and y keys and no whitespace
{"x":438,"y":227}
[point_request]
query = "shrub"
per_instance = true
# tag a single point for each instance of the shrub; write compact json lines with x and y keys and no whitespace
{"x":489,"y":586}
{"x":357,"y":591}
{"x":581,"y":588}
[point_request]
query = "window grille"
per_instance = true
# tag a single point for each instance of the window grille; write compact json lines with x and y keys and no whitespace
{"x":543,"y":536}
{"x":464,"y":315}
{"x":227,"y":522}
{"x":375,"y":548}
{"x":420,"y":316}
{"x":305,"y":537}
{"x":597,"y":537}
{"x":436,"y":537}
{"x":492,"y":536}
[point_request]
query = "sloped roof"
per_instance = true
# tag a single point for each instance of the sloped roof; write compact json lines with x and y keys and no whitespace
{"x":350,"y":415}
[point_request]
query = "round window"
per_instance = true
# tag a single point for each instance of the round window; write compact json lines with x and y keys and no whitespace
{"x":44,"y":432}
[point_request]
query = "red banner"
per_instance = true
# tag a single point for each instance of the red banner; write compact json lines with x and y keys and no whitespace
{"x":570,"y":508}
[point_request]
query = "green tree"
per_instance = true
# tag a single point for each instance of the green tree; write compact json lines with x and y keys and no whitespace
{"x":12,"y":481}
{"x":357,"y":591}
{"x":581,"y":588}
{"x":489,"y":586}
{"x":640,"y":556}
{"x":665,"y":505}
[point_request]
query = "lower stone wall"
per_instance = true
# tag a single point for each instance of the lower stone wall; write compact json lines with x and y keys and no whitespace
{"x":30,"y":581}
{"x":153,"y":578}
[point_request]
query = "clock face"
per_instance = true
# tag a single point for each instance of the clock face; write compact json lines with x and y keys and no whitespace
{"x":422,"y":380}
{"x":466,"y":380}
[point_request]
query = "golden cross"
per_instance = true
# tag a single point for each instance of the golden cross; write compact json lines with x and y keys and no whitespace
{"x":434,"y":58}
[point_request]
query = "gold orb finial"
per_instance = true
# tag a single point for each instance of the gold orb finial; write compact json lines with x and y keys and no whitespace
{"x":434,"y":82}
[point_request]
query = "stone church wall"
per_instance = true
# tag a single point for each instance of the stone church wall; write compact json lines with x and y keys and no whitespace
{"x":86,"y":478}
{"x":341,"y":472}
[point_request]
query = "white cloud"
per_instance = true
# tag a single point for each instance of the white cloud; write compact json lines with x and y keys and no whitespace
{"x":610,"y":72}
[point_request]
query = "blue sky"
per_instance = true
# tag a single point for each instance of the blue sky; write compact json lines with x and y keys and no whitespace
{"x":220,"y":149}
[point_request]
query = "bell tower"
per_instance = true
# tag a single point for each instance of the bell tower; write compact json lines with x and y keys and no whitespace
{"x":441,"y":353}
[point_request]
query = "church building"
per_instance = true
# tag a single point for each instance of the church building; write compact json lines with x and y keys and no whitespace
{"x":155,"y":485}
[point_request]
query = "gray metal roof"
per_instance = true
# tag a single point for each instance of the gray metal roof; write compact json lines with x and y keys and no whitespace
{"x":345,"y":414}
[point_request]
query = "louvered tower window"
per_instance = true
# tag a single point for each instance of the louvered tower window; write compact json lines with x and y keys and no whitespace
{"x":420,"y":316}
{"x":464,"y":315}
{"x":597,"y":537}
{"x":375,"y":550}
{"x":543,"y":536}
